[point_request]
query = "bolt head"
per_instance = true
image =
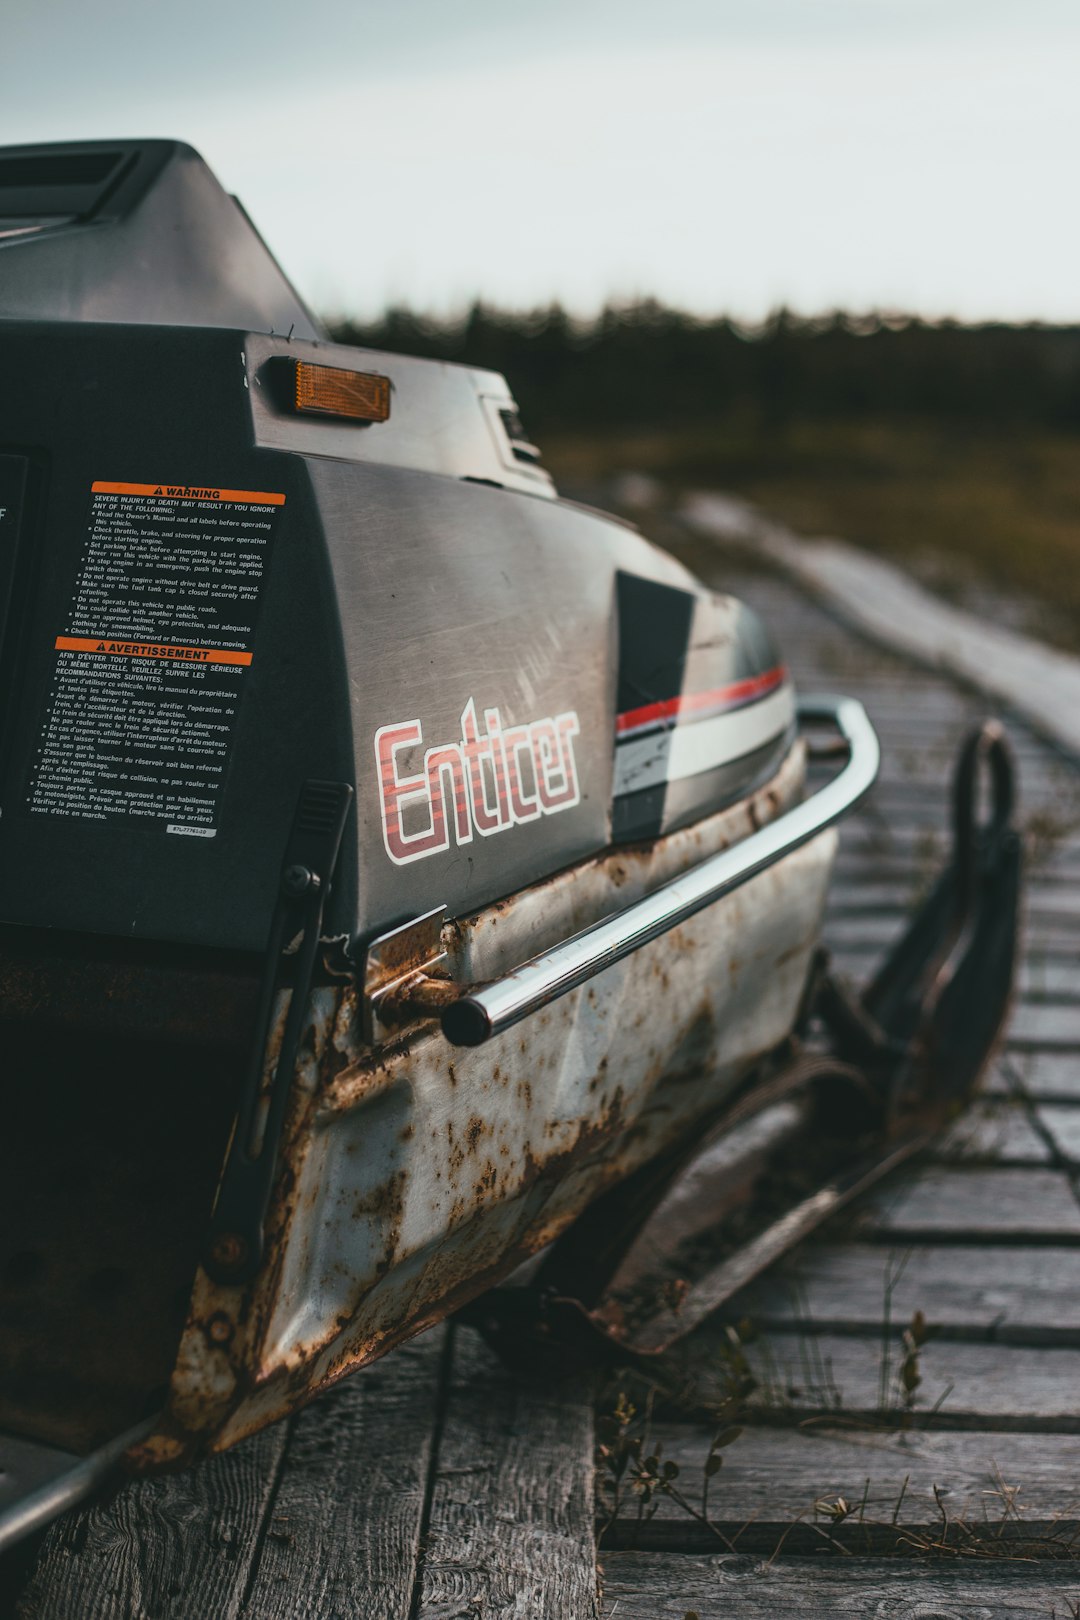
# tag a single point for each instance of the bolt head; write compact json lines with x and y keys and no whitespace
{"x":219,"y":1328}
{"x":229,"y":1250}
{"x":297,"y":880}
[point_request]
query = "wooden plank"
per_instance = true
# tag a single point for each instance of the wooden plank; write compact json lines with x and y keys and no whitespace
{"x":1044,"y":905}
{"x":1021,"y":1039}
{"x":905,"y":767}
{"x":1043,"y":1076}
{"x":993,"y":1130}
{"x":893,"y":820}
{"x":868,"y":937}
{"x":933,"y":745}
{"x":1061,"y":1121}
{"x":907,"y":841}
{"x":978,"y":1386}
{"x":511,"y":1519}
{"x":941,"y":1204}
{"x":875,"y":932}
{"x":1012,"y":1295}
{"x":671,"y":1586}
{"x":854,"y":868}
{"x":173,"y":1547}
{"x":861,"y":899}
{"x":1049,"y":977}
{"x":901,"y":876}
{"x":903,"y":721}
{"x":776,"y":1485}
{"x":1051,"y":848}
{"x":1039,"y":979}
{"x":344,"y":1533}
{"x":920,"y":814}
{"x":919,"y":804}
{"x":1034,"y":1076}
{"x":1045,"y":1026}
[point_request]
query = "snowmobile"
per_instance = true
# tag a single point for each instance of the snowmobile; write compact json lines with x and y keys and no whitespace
{"x":401,"y":867}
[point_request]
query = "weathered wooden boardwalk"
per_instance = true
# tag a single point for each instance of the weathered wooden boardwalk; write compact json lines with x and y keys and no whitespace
{"x":838,"y":1503}
{"x":433,"y":1486}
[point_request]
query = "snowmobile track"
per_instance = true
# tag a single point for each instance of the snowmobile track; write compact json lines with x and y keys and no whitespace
{"x":430,"y":1486}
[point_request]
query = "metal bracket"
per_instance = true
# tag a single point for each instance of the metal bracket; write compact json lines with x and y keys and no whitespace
{"x":398,"y":986}
{"x":235,"y":1244}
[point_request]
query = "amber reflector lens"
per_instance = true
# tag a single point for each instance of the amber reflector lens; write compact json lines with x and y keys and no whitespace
{"x":363,"y":396}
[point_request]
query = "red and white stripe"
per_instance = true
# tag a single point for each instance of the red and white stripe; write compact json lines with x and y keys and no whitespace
{"x":699,"y":705}
{"x":701,"y":731}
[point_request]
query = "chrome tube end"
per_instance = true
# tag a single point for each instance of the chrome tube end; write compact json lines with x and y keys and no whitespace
{"x":467,"y":1023}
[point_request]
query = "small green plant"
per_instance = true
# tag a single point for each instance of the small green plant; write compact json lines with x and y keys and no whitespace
{"x":898,"y":1388}
{"x":909,"y":1375}
{"x":629,"y":1462}
{"x":714,"y":1461}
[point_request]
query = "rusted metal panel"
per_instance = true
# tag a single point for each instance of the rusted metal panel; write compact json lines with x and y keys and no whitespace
{"x":413,"y":1174}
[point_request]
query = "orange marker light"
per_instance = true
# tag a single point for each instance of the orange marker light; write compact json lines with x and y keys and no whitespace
{"x":362,"y":396}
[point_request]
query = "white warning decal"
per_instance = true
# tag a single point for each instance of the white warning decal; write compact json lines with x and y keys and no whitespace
{"x":150,"y":662}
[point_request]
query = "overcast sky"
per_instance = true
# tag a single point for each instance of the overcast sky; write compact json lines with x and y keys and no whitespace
{"x":905,"y":154}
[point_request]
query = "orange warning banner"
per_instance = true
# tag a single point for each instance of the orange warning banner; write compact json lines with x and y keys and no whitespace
{"x":151,"y":649}
{"x":189,"y":492}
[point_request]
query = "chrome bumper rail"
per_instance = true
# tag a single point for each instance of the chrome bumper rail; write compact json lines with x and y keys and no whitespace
{"x":40,"y":1482}
{"x":487,"y":1012}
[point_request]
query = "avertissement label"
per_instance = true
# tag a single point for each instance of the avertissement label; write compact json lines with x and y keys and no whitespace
{"x":151,"y":661}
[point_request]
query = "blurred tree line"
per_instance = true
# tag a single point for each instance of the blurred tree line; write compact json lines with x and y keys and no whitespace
{"x":644,"y":364}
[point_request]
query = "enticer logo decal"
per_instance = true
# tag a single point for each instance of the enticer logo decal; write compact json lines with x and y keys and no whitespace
{"x":484,"y":782}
